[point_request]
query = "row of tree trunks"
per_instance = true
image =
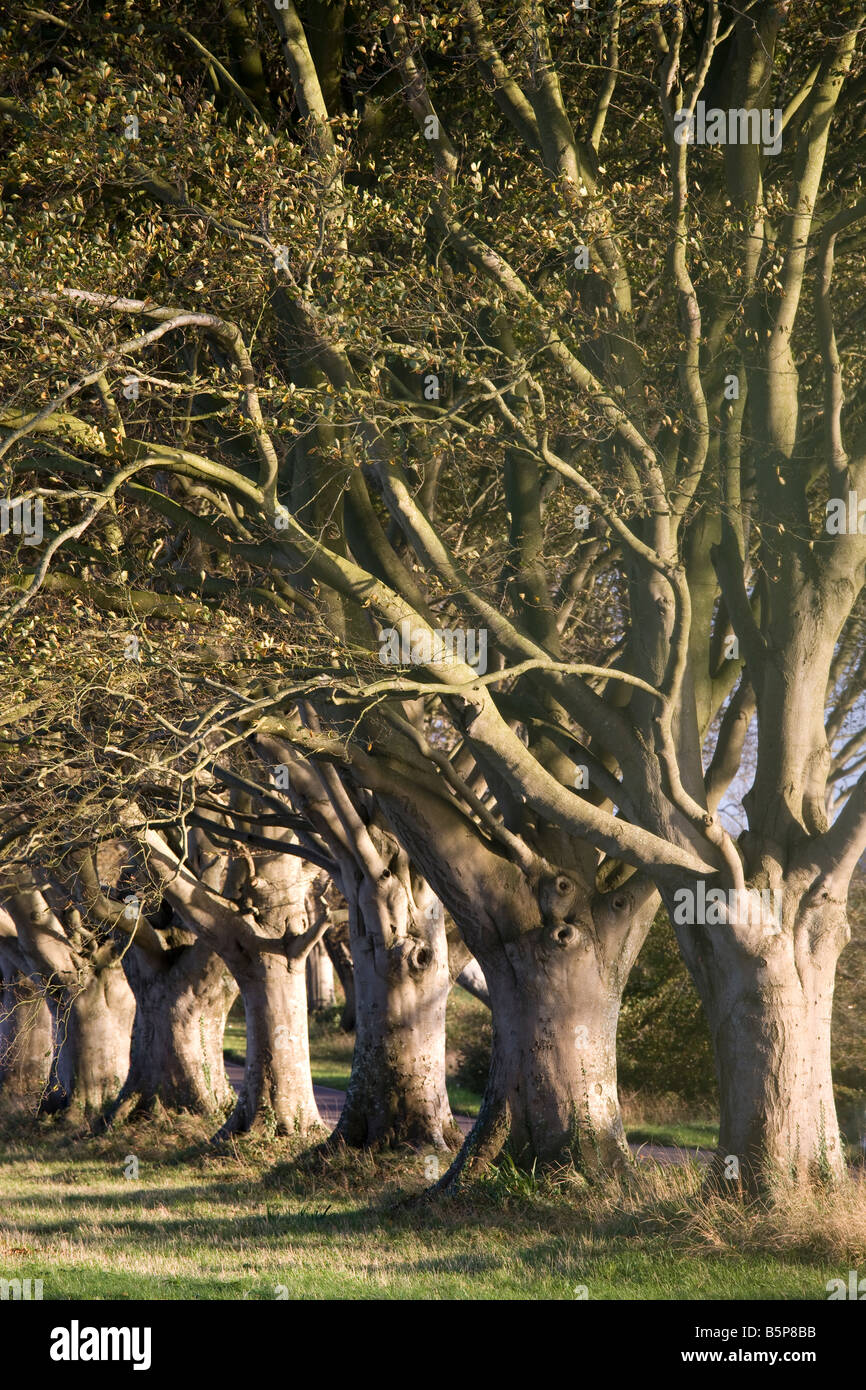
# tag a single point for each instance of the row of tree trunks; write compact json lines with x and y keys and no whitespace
{"x":88,"y":1031}
{"x":553,"y":968}
{"x":553,"y":1078}
{"x":555,"y":955}
{"x":555,"y":998}
{"x":104,"y":1050}
{"x":554,"y":991}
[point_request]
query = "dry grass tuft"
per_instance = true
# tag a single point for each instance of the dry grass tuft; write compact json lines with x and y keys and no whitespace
{"x":793,"y":1223}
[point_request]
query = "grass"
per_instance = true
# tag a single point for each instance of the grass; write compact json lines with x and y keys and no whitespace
{"x":330,"y":1050}
{"x":235,"y":1035}
{"x":665,"y":1119}
{"x":199,"y":1223}
{"x":676,"y":1136}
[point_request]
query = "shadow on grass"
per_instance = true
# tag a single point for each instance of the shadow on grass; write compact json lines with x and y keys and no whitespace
{"x":240,"y":1204}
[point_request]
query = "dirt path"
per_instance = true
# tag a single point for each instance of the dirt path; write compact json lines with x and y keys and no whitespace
{"x":330,"y":1103}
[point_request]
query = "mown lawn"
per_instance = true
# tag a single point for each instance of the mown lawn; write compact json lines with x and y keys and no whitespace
{"x":247,"y":1223}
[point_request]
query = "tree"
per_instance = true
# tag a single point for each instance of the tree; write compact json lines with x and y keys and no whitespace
{"x":566,"y":305}
{"x":182,"y":994}
{"x":26,"y":1033}
{"x":260,"y":912}
{"x":403,"y":966}
{"x":91,"y":1003}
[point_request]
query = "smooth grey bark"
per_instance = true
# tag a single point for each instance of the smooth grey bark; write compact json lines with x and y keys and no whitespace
{"x":767,"y":991}
{"x":555,"y":996}
{"x":93,"y":1031}
{"x":26,"y":1037}
{"x":277,"y":1089}
{"x":182,"y":1000}
{"x":397,"y":1092}
{"x":320,"y":978}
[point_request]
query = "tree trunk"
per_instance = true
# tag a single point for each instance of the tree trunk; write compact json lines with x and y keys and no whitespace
{"x":471,"y":978}
{"x":768,"y":993}
{"x":26,"y":1038}
{"x":551,"y":1095}
{"x":555,"y":951}
{"x":320,"y":978}
{"x":336,"y":943}
{"x":277,"y":1090}
{"x":397,"y":1093}
{"x":92,"y":1029}
{"x":262,"y":919}
{"x":177,"y":1038}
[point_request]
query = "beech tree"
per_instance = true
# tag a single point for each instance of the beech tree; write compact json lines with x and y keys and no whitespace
{"x":139,"y":1006}
{"x":540,"y":368}
{"x":91,"y":1003}
{"x":182,"y":993}
{"x":26,"y":1032}
{"x":262,"y":914}
{"x":403,"y":966}
{"x":365,"y":530}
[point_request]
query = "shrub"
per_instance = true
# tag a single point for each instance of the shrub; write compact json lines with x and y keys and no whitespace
{"x":664,"y":1042}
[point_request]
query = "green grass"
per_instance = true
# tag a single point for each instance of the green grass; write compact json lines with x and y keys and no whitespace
{"x":463,"y":1101}
{"x":235,"y":1036}
{"x":203,"y":1224}
{"x":685,"y":1135}
{"x":330,"y":1050}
